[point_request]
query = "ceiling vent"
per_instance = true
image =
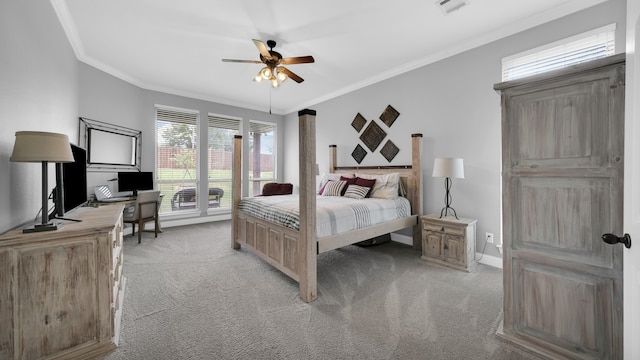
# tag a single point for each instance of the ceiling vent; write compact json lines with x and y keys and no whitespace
{"x":449,"y":6}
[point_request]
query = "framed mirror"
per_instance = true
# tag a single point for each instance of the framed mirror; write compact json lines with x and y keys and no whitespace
{"x":109,"y":146}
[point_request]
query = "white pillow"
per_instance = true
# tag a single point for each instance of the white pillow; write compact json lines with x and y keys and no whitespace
{"x":356,"y":191}
{"x":334,"y":188}
{"x":386,"y":186}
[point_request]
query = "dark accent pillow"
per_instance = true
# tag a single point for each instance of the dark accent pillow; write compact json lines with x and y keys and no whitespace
{"x":350,"y":181}
{"x":366,"y":183}
{"x":270,"y":189}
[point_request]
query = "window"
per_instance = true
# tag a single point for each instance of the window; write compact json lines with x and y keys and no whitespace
{"x":220,"y":159}
{"x":177,"y":158}
{"x":262,"y":145}
{"x":594,"y":44}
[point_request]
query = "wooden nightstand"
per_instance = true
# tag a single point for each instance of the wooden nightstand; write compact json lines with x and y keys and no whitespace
{"x":449,"y":241}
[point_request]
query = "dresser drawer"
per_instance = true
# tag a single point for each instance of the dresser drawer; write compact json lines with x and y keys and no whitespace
{"x":446,"y":229}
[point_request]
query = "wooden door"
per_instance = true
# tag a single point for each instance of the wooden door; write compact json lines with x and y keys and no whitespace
{"x":562,"y":189}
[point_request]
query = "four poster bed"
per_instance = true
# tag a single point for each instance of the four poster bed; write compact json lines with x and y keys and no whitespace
{"x":292,"y":246}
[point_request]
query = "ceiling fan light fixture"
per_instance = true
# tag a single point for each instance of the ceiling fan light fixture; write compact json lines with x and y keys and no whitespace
{"x":266,"y":73}
{"x":272,"y":72}
{"x":282,"y":76}
{"x":258,"y":77}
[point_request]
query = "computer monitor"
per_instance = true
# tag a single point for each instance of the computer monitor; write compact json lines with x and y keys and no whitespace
{"x":71,"y":183}
{"x":134,"y":181}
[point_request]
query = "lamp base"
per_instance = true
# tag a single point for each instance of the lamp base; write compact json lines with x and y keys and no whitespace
{"x":445,"y":212}
{"x":44,"y":227}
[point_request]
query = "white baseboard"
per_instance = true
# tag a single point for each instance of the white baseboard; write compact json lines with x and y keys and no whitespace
{"x":489,"y":260}
{"x":171,"y":222}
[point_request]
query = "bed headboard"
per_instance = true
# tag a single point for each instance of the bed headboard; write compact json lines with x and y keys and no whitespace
{"x":410,"y":175}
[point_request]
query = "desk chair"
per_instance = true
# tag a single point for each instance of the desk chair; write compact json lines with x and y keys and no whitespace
{"x":144,"y":210}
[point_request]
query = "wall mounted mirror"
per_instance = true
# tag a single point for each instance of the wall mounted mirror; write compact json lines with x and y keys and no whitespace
{"x":109,"y":146}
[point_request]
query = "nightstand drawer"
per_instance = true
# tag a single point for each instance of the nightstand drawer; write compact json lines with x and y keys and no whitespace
{"x":443,"y":228}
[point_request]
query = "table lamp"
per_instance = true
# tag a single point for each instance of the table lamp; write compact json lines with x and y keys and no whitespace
{"x":43,"y":147}
{"x":448,"y":168}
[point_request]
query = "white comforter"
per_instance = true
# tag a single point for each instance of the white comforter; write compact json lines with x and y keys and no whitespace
{"x":335,"y":214}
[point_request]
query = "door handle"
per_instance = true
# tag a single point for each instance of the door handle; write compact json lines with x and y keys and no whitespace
{"x":613,"y":239}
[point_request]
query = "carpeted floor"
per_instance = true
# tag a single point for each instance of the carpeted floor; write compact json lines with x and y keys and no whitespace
{"x":190,"y":296}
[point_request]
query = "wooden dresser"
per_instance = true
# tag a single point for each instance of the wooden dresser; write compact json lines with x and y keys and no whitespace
{"x":449,"y":241}
{"x":61,"y":291}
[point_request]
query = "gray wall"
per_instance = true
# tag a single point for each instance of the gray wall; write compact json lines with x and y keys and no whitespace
{"x":108,"y":99}
{"x":452,"y":103}
{"x":38,"y":92}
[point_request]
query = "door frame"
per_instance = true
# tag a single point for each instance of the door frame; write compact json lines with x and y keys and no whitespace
{"x":631,"y":267}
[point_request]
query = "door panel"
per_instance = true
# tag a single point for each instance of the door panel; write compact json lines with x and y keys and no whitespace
{"x":579,"y":202}
{"x":564,"y":307}
{"x":456,"y":250}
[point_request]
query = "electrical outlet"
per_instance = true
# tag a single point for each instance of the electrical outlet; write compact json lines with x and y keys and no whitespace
{"x":489,"y":238}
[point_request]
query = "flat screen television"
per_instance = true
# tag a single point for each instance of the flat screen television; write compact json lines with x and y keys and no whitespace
{"x":71,"y":183}
{"x":134,"y":181}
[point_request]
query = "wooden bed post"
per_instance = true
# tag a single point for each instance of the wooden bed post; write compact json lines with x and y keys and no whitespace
{"x":333,"y":158}
{"x":236,"y":188}
{"x":307,"y":244}
{"x":416,"y":149}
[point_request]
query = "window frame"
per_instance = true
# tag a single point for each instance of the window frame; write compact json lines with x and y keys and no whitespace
{"x":182,"y":117}
{"x":228,"y":195}
{"x":255,"y":184}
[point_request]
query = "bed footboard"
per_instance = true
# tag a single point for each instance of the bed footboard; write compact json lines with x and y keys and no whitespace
{"x":277,"y":245}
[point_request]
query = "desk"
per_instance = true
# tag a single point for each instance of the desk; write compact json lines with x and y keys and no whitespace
{"x":128,"y":204}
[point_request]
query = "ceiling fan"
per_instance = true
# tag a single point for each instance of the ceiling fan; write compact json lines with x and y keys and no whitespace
{"x":274,"y":71}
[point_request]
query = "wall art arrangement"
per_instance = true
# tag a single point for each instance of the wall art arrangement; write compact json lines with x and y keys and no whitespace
{"x":374,"y":134}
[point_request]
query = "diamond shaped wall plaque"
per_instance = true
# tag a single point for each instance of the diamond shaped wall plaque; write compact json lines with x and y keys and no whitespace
{"x":373,"y":135}
{"x":358,"y":122}
{"x":389,"y":115}
{"x":389,"y":150}
{"x":359,"y":153}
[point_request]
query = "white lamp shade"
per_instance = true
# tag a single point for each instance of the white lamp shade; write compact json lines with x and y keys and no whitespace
{"x":38,"y":146}
{"x":448,"y":167}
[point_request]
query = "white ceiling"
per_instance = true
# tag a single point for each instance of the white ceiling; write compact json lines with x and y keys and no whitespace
{"x":177,"y":46}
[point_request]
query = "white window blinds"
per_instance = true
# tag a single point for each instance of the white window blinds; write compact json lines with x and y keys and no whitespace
{"x":224,"y":123}
{"x":594,"y":44}
{"x":177,"y":115}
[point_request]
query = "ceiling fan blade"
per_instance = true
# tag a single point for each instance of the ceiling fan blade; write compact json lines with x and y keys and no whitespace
{"x":263,"y":49}
{"x":291,"y":75}
{"x":243,"y":61}
{"x":298,"y":60}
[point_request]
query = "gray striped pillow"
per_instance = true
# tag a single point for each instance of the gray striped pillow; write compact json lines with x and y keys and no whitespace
{"x":356,"y":191}
{"x":333,"y":188}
